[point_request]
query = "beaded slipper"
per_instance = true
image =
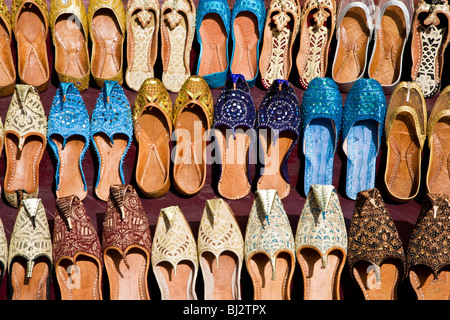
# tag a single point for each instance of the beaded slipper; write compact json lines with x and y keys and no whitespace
{"x":428,"y":259}
{"x":318,"y":21}
{"x":438,"y":133}
{"x":430,"y":37}
{"x":375,"y":252}
{"x":392,"y":25}
{"x":362,"y":129}
{"x":29,"y":19}
{"x":107,"y":24}
{"x":321,"y":243}
{"x":30,"y":253}
{"x":127,"y":258}
{"x":278,"y":126}
{"x":234,"y":114}
{"x":152,"y":116}
{"x":142,"y":41}
{"x":111,"y":135}
{"x":177,"y":35}
{"x":247,"y":27}
{"x":174,"y":256}
{"x":69,"y":26}
{"x":354,"y":30}
{"x":193,"y":117}
{"x":321,"y":113}
{"x":280,"y":30}
{"x":68,"y":136}
{"x":25,"y":137}
{"x":77,"y":252}
{"x":7,"y":67}
{"x":269,"y":248}
{"x":405,"y":132}
{"x":220,"y":251}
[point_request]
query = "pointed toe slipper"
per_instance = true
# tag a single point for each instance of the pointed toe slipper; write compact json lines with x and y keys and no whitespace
{"x":7,"y":68}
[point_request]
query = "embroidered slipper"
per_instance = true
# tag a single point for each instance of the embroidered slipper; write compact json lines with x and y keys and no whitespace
{"x":68,"y":137}
{"x":427,"y":256}
{"x":321,"y":113}
{"x":318,"y":21}
{"x":393,"y":26}
{"x":7,"y":67}
{"x":375,"y":252}
{"x":280,"y":30}
{"x":269,"y":248}
{"x":69,"y":26}
{"x":354,"y":30}
{"x":177,"y":35}
{"x":212,"y":33}
{"x":127,"y":258}
{"x":3,"y":252}
{"x":438,"y":133}
{"x":193,"y":117}
{"x":111,"y":135}
{"x":25,"y":136}
{"x":234,"y":114}
{"x":29,"y":19}
{"x":142,"y":20}
{"x":247,"y":27}
{"x":77,"y":252}
{"x":405,"y":132}
{"x":174,"y":256}
{"x":430,"y":37}
{"x":362,"y":129}
{"x":30,"y":253}
{"x":278,"y":126}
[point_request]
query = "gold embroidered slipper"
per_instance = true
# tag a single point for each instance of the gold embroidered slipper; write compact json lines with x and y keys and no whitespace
{"x":142,"y":41}
{"x":7,"y":67}
{"x":69,"y":26}
{"x":25,"y":136}
{"x":3,"y":252}
{"x":107,"y":21}
{"x":177,"y":35}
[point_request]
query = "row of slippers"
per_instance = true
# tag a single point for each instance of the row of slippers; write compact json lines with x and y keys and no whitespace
{"x":372,"y":248}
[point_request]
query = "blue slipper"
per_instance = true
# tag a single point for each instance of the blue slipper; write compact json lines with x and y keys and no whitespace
{"x":362,"y":128}
{"x":68,"y":137}
{"x":321,"y":122}
{"x":247,"y":27}
{"x":213,"y":32}
{"x":111,"y":135}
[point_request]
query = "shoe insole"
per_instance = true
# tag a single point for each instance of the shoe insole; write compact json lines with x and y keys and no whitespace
{"x":428,"y":288}
{"x":22,"y":166}
{"x":386,"y":61}
{"x":361,"y":152}
{"x":246,"y":37}
{"x":403,"y":163}
{"x":176,"y":286}
{"x":153,"y":161}
{"x":275,"y":152}
{"x":79,"y":280}
{"x":439,"y":168}
{"x":220,"y":278}
{"x":127,"y":282}
{"x":214,"y":50}
{"x":110,"y":159}
{"x":351,"y":51}
{"x":34,"y":288}
{"x":107,"y":47}
{"x":70,"y":179}
{"x":31,"y":46}
{"x":378,"y":285}
{"x":319,"y":139}
{"x":233,"y":183}
{"x":320,"y":283}
{"x":7,"y":69}
{"x":70,"y":47}
{"x":190,"y":160}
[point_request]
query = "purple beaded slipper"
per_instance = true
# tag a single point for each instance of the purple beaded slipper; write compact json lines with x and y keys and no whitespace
{"x":234,"y":121}
{"x":278,"y":127}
